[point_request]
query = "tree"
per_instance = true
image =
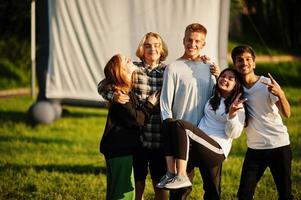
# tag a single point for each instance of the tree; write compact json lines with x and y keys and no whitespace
{"x":276,"y":21}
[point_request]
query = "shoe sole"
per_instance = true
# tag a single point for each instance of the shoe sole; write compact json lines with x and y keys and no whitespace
{"x":160,"y":187}
{"x":178,"y":187}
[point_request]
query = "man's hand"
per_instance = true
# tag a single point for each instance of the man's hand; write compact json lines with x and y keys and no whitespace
{"x":274,"y":87}
{"x":204,"y":58}
{"x":214,"y":69}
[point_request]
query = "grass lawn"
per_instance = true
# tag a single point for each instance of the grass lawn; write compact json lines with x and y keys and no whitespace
{"x":62,"y":161}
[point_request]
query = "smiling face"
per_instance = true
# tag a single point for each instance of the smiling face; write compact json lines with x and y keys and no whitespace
{"x":152,"y":49}
{"x":244,"y":63}
{"x":128,"y":67}
{"x":193,"y":43}
{"x":226,"y":83}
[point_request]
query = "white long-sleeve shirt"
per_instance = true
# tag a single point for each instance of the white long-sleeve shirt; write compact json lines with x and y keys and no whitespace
{"x":187,"y":85}
{"x":219,"y":127}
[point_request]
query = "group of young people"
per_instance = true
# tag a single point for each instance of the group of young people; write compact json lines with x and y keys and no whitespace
{"x":170,"y":119}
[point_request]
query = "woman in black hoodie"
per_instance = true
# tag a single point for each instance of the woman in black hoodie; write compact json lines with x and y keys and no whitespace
{"x":122,"y":131}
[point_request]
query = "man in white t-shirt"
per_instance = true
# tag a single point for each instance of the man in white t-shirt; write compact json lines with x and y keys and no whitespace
{"x":267,"y":136}
{"x":187,"y":85}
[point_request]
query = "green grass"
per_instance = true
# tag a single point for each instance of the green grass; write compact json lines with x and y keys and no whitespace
{"x":62,"y":161}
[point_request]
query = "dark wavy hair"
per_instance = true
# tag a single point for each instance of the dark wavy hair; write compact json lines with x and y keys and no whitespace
{"x":238,"y":88}
{"x":240,"y":49}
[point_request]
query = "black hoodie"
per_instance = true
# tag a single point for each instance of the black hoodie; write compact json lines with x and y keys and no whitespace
{"x":123,"y":127}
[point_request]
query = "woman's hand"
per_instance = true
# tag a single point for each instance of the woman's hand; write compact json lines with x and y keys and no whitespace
{"x":236,"y":105}
{"x":154,"y":98}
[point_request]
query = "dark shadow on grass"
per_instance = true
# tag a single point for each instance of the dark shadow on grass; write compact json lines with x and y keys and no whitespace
{"x":75,"y":169}
{"x":24,"y":117}
{"x":67,"y":113}
{"x":13,"y":116}
{"x":35,"y":140}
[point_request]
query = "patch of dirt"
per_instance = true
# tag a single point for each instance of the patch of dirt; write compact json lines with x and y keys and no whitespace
{"x":15,"y":92}
{"x":279,"y":58}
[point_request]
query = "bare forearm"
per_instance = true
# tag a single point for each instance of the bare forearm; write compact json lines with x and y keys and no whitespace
{"x":284,"y":105}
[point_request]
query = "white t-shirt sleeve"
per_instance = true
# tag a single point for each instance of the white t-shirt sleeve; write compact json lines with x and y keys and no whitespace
{"x":212,"y":83}
{"x":167,"y":94}
{"x":235,"y":125}
{"x":273,"y":98}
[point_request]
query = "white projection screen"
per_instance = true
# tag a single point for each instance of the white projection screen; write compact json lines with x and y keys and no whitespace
{"x":84,"y":34}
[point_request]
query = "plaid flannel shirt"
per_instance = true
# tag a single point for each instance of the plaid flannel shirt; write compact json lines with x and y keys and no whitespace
{"x":146,"y":82}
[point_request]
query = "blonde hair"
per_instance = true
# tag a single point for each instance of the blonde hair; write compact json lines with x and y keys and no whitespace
{"x":163,"y":46}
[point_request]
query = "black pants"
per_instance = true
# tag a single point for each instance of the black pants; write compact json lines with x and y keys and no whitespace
{"x":205,"y":153}
{"x":255,"y":163}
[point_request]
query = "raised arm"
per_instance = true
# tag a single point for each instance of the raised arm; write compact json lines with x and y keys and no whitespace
{"x":282,"y":104}
{"x":235,"y":118}
{"x":109,"y":95}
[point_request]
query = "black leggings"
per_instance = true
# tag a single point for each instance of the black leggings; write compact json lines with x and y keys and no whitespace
{"x":183,"y":138}
{"x":180,"y":136}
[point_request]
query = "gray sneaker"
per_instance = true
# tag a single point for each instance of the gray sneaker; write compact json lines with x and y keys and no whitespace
{"x":178,"y":182}
{"x":165,"y":179}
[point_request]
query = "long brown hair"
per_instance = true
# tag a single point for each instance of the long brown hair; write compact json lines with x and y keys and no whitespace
{"x":115,"y":77}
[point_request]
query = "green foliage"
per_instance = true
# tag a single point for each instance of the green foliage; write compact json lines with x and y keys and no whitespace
{"x":256,"y":44}
{"x":62,"y":161}
{"x":15,"y":19}
{"x":14,"y":63}
{"x":285,"y":73}
{"x":272,"y":23}
{"x":14,"y":43}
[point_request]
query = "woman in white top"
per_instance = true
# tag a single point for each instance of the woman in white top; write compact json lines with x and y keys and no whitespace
{"x":223,"y":121}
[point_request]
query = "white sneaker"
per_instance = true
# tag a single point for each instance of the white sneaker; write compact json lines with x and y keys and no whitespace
{"x":178,"y":182}
{"x":165,"y":179}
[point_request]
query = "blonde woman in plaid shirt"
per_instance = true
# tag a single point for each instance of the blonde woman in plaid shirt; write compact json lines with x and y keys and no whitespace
{"x":152,"y":51}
